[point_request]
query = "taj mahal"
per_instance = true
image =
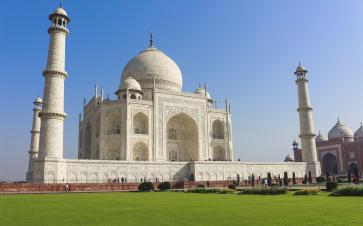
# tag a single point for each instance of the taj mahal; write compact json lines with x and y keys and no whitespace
{"x":149,"y":129}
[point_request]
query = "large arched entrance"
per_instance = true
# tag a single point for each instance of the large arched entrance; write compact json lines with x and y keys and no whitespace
{"x":182,"y":138}
{"x":330,"y":165}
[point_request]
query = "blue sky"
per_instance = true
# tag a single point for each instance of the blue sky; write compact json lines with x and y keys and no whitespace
{"x":246,"y":51}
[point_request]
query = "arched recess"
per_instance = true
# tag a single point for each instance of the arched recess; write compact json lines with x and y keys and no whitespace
{"x":182,"y":138}
{"x":353,"y":167}
{"x":141,"y":123}
{"x":140,"y":152}
{"x":330,"y":165}
{"x":88,"y":141}
{"x":218,"y":129}
{"x":113,"y":124}
{"x":98,"y":126}
{"x":113,"y":153}
{"x":218,"y":153}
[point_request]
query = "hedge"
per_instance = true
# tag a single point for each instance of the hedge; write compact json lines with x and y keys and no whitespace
{"x":348,"y":191}
{"x":263,"y":191}
{"x":307,"y":192}
{"x":164,"y":186}
{"x":146,"y":186}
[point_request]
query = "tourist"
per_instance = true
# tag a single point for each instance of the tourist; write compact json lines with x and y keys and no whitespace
{"x":67,"y":188}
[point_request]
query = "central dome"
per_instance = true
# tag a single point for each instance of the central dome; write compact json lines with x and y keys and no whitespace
{"x":153,"y":63}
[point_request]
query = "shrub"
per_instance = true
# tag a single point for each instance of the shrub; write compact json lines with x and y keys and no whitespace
{"x":286,"y":179}
{"x":263,"y":191}
{"x":232,"y":186}
{"x":293,"y":178}
{"x":320,"y":180}
{"x":269,"y":179}
{"x":178,"y":185}
{"x":307,"y":192}
{"x":349,"y":177}
{"x":164,"y":186}
{"x":225,"y":191}
{"x":146,"y":186}
{"x":305,"y":181}
{"x":331,"y":185}
{"x":200,"y":186}
{"x":348,"y":191}
{"x":202,"y":190}
{"x":310,"y":179}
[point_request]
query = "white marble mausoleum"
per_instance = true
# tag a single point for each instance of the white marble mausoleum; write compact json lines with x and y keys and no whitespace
{"x":150,"y":129}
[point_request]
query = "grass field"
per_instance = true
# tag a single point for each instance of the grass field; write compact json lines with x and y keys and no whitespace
{"x":175,"y":208}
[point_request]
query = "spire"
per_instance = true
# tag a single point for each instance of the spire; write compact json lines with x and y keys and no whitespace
{"x":96,"y":89}
{"x":60,"y":3}
{"x":102,"y":93}
{"x":151,"y":40}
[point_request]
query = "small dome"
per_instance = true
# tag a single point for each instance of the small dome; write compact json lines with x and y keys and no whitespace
{"x":201,"y":91}
{"x":289,"y":158}
{"x":60,"y":11}
{"x":300,"y":68}
{"x":359,"y":133}
{"x":152,"y":63}
{"x":38,"y":100}
{"x":320,"y":137}
{"x":131,"y":84}
{"x":340,"y":131}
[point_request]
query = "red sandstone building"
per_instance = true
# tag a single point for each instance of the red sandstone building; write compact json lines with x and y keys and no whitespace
{"x":339,"y":152}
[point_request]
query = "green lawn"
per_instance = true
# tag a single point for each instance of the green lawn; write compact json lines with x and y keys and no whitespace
{"x":174,"y":208}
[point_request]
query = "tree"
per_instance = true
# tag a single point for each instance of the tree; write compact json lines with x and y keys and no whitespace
{"x":286,"y":179}
{"x":305,"y":179}
{"x":320,"y":180}
{"x":349,"y":177}
{"x":310,"y":178}
{"x":293,"y":178}
{"x":269,"y":179}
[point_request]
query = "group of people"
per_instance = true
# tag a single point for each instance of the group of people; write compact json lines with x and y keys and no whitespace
{"x":120,"y":180}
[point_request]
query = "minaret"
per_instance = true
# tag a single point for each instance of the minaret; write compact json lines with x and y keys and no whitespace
{"x":307,"y":134}
{"x":34,"y":141}
{"x":53,"y":115}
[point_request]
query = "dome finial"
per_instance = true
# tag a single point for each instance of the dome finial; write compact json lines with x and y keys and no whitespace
{"x":151,"y":40}
{"x":60,"y":3}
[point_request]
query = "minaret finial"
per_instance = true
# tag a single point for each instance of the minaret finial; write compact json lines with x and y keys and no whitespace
{"x":60,"y":3}
{"x":96,"y":89}
{"x":151,"y":40}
